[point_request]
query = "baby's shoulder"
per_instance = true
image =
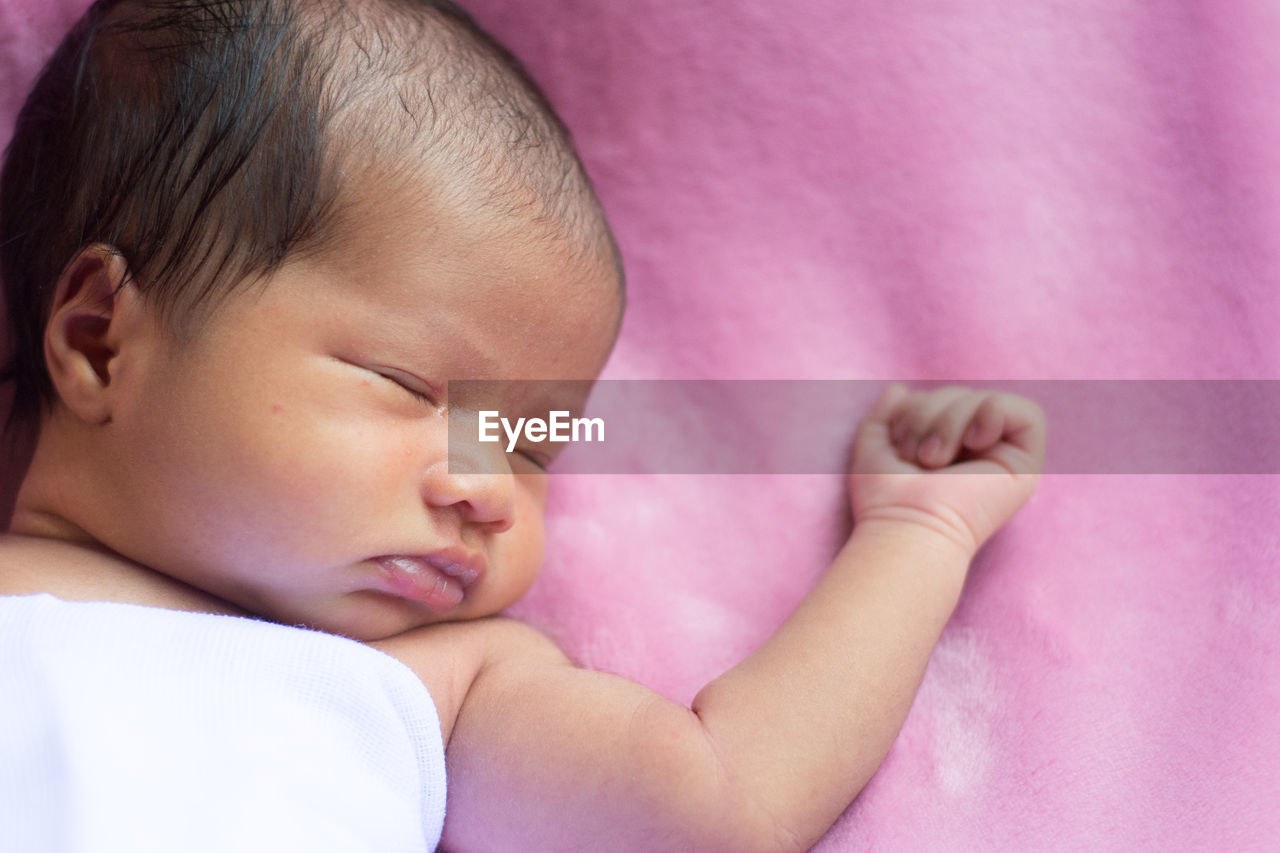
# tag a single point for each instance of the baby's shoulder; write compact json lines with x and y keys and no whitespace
{"x":449,"y":657}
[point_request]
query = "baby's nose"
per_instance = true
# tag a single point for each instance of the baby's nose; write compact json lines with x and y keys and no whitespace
{"x":477,"y":482}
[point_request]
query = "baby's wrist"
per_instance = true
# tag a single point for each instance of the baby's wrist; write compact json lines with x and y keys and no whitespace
{"x":918,"y":529}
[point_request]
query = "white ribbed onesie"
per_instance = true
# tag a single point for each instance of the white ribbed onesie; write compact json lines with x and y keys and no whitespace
{"x":127,"y":728}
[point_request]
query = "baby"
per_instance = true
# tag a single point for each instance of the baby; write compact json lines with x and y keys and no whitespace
{"x":245,"y":245}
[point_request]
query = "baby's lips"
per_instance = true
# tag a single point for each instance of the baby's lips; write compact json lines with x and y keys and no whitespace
{"x":464,"y":569}
{"x":418,"y":578}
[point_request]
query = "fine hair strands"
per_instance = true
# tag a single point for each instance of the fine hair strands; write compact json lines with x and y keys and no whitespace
{"x":207,"y":141}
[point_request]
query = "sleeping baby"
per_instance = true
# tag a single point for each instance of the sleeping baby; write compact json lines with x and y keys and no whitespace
{"x":249,"y":601}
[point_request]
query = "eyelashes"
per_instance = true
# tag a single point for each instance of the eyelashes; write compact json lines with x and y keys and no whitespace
{"x":421,"y":396}
{"x":419,"y":390}
{"x":535,"y":459}
{"x":424,"y":394}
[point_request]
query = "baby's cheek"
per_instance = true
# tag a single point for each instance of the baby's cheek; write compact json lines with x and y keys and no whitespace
{"x":307,"y":475}
{"x":533,"y":489}
{"x":519,"y":551}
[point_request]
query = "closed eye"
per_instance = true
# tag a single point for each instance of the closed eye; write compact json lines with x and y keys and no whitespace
{"x":416,"y":388}
{"x":538,"y":460}
{"x":420,"y":396}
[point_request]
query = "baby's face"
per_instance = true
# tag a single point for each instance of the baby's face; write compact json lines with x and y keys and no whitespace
{"x":293,"y":458}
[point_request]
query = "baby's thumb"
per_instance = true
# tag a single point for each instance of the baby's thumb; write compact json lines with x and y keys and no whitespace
{"x":884,"y":407}
{"x":872,"y":436}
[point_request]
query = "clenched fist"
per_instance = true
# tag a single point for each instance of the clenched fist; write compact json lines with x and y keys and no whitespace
{"x":958,"y":461}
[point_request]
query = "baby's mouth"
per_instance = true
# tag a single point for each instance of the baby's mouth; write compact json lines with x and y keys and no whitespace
{"x":439,"y":581}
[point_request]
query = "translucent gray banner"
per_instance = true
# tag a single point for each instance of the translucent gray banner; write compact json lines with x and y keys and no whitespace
{"x":806,"y":426}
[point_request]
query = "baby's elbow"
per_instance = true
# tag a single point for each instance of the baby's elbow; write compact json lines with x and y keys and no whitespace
{"x":697,"y":802}
{"x":754,"y":836}
{"x":717,"y":814}
{"x":740,"y":833}
{"x":757,"y":834}
{"x":766,"y":833}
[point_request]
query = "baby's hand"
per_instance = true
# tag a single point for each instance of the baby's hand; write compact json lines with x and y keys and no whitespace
{"x":957,"y":461}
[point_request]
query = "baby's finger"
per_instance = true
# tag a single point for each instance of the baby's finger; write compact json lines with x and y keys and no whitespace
{"x":911,"y":424}
{"x":1009,"y":418}
{"x":888,"y":401}
{"x":985,"y":425}
{"x":943,"y":439}
{"x":872,"y":435}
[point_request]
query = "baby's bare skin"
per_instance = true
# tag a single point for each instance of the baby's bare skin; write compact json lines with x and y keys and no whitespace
{"x":543,"y":755}
{"x":267,"y":466}
{"x":773,"y":751}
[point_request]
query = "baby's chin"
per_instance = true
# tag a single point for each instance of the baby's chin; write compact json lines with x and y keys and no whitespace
{"x":366,"y":615}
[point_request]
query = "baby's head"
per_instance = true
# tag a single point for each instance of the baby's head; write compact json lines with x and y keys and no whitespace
{"x":245,"y":245}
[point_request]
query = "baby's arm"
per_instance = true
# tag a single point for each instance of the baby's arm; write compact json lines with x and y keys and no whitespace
{"x":544,"y":756}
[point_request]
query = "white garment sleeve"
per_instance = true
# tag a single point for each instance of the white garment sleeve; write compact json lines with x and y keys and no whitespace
{"x":127,"y":728}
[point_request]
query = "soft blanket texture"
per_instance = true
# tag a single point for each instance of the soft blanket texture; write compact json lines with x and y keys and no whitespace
{"x":922,"y":190}
{"x":129,"y":728}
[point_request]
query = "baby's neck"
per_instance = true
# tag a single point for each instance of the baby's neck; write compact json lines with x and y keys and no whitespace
{"x":76,"y":570}
{"x":47,"y":550}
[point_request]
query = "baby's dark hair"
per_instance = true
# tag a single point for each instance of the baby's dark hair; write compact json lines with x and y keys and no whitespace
{"x":206,"y":141}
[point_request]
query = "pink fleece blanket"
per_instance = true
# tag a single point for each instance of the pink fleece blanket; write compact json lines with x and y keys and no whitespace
{"x":916,"y":190}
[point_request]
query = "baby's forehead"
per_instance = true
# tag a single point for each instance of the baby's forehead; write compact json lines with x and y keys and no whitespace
{"x":429,"y":227}
{"x":457,"y":210}
{"x":450,"y":298}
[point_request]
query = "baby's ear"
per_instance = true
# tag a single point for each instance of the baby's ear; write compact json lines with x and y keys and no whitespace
{"x":96,"y":307}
